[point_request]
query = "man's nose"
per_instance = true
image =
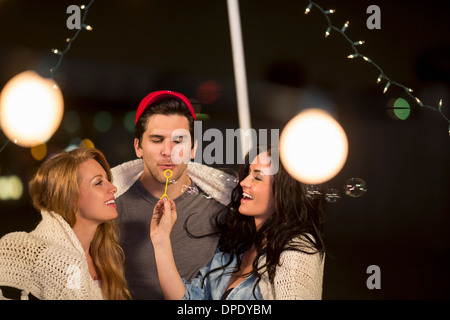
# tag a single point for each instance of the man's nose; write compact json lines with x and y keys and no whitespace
{"x":166,"y":148}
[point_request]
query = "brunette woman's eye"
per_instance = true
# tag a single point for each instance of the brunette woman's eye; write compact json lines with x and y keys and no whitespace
{"x":99,"y":183}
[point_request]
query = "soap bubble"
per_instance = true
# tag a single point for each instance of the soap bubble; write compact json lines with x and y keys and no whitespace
{"x":189,"y":190}
{"x":355,"y":187}
{"x":332,"y":195}
{"x":313,"y":191}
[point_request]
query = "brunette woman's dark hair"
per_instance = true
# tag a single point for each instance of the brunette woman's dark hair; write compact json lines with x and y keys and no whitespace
{"x":296,"y":223}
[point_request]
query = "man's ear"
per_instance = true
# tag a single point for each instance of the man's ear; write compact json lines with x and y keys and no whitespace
{"x":137,"y":148}
{"x":194,"y":150}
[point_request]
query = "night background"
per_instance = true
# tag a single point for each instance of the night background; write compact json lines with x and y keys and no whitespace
{"x":400,"y":224}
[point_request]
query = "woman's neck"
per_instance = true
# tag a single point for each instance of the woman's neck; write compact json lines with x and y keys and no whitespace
{"x":85,"y":235}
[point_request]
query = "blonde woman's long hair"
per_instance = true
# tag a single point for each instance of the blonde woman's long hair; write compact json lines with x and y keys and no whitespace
{"x":55,"y":188}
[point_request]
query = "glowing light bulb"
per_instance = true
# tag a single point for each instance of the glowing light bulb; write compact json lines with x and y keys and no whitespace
{"x":31,"y":109}
{"x":379,"y":78}
{"x":308,"y":9}
{"x":313,"y":147}
{"x":419,"y":102}
{"x":345,"y":26}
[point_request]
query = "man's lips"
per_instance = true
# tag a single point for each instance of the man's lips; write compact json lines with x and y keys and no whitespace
{"x":167,"y":166}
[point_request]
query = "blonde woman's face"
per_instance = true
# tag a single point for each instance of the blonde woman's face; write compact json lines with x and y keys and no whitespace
{"x":96,"y":202}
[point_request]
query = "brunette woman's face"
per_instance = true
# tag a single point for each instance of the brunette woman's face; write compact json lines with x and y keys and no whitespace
{"x":96,"y":203}
{"x":257,"y":200}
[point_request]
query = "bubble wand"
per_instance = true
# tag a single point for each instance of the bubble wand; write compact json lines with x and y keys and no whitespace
{"x":168,"y":171}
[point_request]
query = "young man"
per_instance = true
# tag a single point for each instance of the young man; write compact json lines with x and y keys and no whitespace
{"x":164,"y":139}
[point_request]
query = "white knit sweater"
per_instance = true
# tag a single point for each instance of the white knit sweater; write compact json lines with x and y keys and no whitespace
{"x":216,"y":183}
{"x":48,"y":262}
{"x":299,"y":275}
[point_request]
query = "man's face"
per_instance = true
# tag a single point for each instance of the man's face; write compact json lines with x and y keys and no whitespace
{"x":165,"y":141}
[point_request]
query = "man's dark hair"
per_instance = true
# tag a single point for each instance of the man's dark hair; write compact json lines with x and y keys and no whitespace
{"x":167,"y":106}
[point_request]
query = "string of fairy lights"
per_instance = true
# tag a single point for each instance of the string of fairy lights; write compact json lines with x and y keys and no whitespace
{"x":69,"y":41}
{"x":383,"y":77}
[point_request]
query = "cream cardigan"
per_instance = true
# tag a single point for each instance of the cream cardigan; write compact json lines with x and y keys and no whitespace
{"x":299,"y":275}
{"x":48,"y":262}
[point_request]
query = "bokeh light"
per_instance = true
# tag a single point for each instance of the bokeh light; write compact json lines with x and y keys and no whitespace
{"x":74,"y":144}
{"x":31,"y":109}
{"x":402,"y":109}
{"x":86,"y":143}
{"x":313,"y":146}
{"x":103,"y":121}
{"x":11,"y":188}
{"x":209,"y":91}
{"x":39,"y":152}
{"x":71,"y":121}
{"x":128,"y":121}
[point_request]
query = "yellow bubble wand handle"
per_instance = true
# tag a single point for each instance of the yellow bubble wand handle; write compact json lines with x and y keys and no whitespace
{"x":167,"y":173}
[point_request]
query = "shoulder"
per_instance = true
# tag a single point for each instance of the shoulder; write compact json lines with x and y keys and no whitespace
{"x":14,"y":242}
{"x":301,"y":248}
{"x":126,"y":174}
{"x":29,"y":248}
{"x":216,"y":183}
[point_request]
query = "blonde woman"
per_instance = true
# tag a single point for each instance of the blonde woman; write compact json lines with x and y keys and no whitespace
{"x":74,"y":252}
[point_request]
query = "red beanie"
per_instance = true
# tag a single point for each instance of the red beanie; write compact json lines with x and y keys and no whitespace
{"x":158,"y":95}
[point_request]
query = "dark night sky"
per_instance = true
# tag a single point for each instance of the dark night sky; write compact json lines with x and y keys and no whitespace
{"x":400,"y":224}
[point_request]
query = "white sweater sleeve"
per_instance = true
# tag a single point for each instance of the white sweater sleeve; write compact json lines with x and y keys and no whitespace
{"x":299,"y":276}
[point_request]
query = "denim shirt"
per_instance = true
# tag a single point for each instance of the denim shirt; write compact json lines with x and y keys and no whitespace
{"x":216,"y":282}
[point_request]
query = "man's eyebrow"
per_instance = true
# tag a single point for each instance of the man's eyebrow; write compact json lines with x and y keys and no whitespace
{"x":155,"y":136}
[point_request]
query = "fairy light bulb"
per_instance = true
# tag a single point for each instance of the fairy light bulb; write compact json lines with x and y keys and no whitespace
{"x":345,"y":26}
{"x":379,"y":78}
{"x":308,"y":9}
